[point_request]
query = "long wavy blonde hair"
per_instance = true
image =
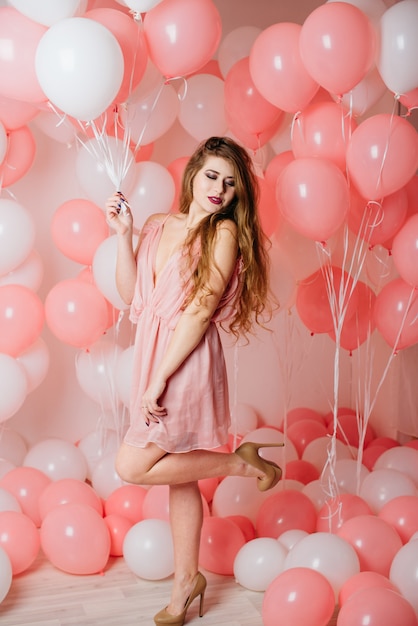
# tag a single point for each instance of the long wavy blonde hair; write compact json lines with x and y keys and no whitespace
{"x":253,"y":296}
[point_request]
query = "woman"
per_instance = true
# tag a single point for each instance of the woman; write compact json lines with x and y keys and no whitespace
{"x":203,"y":266}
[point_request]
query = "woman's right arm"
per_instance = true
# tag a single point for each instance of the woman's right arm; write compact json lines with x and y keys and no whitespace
{"x":122,"y":223}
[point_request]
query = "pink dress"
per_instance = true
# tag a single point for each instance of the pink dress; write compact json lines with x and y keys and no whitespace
{"x":196,"y":396}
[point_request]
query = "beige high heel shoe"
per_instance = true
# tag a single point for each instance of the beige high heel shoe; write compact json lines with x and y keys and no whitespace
{"x":163,"y":617}
{"x":248,"y":451}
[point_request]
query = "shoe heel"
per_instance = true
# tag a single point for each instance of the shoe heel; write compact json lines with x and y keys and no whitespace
{"x":249,"y":452}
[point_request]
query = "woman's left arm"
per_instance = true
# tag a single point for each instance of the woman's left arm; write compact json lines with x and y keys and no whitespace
{"x":197,"y":316}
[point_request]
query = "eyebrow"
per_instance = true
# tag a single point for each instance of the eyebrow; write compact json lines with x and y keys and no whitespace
{"x":210,"y":169}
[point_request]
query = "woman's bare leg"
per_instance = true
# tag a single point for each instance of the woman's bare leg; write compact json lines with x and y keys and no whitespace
{"x":186,"y":516}
{"x":153,"y":466}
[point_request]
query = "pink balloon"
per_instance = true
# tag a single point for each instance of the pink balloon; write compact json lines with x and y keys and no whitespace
{"x":402,"y":514}
{"x":245,"y":524}
{"x":27,"y":485}
{"x":276,"y":166}
{"x":76,"y":313}
{"x":182,"y":36}
{"x":245,"y":104}
{"x":396,"y":314}
{"x":386,"y":442}
{"x":19,"y":538}
{"x":76,"y":539}
{"x":304,"y":431}
{"x":220,"y":543}
{"x":338,"y":510}
{"x":382,"y":155}
{"x":377,"y":222}
{"x":326,"y":46}
{"x":323,"y":130}
{"x":410,"y":99}
{"x":302,"y":471}
{"x":302,"y":413}
{"x":370,"y":456}
{"x":267,"y":207}
{"x":357,"y":328}
{"x":313,"y":300}
{"x":78,"y":227}
{"x":363,"y":581}
{"x":132,"y":43}
{"x":313,"y":197}
{"x":20,"y":156}
{"x":374,"y":541}
{"x":15,"y":114}
{"x":283,"y":511}
{"x":405,"y":251}
{"x":250,"y":140}
{"x":299,"y":596}
{"x":18,"y":329}
{"x":68,"y":491}
{"x":118,"y":527}
{"x":348,"y":431}
{"x":20,"y":36}
{"x":377,"y":606}
{"x":126,"y":501}
{"x":277,"y":69}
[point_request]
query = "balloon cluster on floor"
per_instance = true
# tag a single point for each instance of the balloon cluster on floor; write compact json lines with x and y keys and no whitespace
{"x":305,"y":550}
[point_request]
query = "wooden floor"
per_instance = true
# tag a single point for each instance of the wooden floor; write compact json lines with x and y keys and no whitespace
{"x":45,"y":596}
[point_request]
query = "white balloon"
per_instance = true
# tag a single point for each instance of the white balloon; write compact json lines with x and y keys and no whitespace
{"x":397,"y":52}
{"x":8,"y":502}
{"x":152,"y":115}
{"x":98,"y":166}
{"x":35,"y":361}
{"x":17,"y":235}
{"x":47,"y":12}
{"x":148,"y":549}
{"x":404,"y":572}
{"x":96,"y":445}
{"x":79,"y":65}
{"x":317,"y":451}
{"x":52,"y":126}
{"x":236,"y":45}
{"x":401,"y":458}
{"x":382,"y":485}
{"x":328,"y":554}
{"x":258,"y":563}
{"x":365,"y":94}
{"x":153,"y":191}
{"x":123,"y":374}
{"x":104,"y":478}
{"x":6,"y":575}
{"x":349,"y":475}
{"x":13,"y":447}
{"x":290,"y":537}
{"x":57,"y":459}
{"x":95,"y":371}
{"x":30,"y":273}
{"x":141,"y":6}
{"x":13,"y":386}
{"x":104,"y":272}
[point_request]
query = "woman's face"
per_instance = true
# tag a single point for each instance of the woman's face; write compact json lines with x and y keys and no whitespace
{"x":214,"y":185}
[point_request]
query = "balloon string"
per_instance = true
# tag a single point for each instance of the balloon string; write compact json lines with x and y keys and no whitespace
{"x":385,"y":152}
